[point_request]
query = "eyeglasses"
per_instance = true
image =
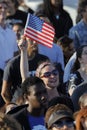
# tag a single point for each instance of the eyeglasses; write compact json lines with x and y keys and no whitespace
{"x":48,"y":74}
{"x":60,"y":124}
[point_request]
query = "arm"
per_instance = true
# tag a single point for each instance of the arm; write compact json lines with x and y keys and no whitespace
{"x":24,"y":58}
{"x":5,"y":93}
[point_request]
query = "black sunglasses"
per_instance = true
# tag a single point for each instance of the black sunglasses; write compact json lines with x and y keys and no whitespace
{"x":48,"y":74}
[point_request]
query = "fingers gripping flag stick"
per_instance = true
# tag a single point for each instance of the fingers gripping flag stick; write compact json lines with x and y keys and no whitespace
{"x":39,"y":31}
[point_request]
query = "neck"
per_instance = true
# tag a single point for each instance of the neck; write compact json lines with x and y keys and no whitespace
{"x":52,"y":93}
{"x":36,"y":111}
{"x":83,"y":73}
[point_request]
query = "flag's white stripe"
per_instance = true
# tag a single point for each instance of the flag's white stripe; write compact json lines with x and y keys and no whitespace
{"x":49,"y":26}
{"x":38,"y":40}
{"x":48,"y":35}
{"x":47,"y":32}
{"x":41,"y":33}
{"x":40,"y":37}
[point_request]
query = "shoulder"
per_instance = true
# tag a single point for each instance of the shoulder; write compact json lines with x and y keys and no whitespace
{"x":42,"y":56}
{"x":14,"y":60}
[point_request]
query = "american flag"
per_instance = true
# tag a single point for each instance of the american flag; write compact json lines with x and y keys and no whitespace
{"x":39,"y":30}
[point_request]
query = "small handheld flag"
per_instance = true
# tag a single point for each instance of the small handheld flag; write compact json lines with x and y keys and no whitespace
{"x":39,"y":30}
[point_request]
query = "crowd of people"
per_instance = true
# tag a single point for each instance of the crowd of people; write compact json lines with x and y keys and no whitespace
{"x":43,"y":88}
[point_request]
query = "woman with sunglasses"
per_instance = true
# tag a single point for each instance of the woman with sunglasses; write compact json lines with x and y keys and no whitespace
{"x":50,"y":74}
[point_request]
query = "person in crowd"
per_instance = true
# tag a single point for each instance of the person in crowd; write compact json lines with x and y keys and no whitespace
{"x":83,"y":100}
{"x":14,"y":14}
{"x":60,"y":18}
{"x":79,"y":32}
{"x":77,"y":93}
{"x":79,"y":70}
{"x":59,"y":117}
{"x":50,"y":74}
{"x":68,"y":68}
{"x":18,"y":29}
{"x":32,"y":115}
{"x":67,"y":46}
{"x":24,"y":7}
{"x":55,"y":53}
{"x":12,"y":76}
{"x":8,"y":123}
{"x":8,"y":44}
{"x":81,"y":119}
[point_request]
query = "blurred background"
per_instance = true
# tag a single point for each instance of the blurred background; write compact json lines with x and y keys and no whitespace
{"x":69,"y":5}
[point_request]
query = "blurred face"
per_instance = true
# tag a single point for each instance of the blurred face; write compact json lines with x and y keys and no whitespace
{"x":85,"y":14}
{"x":17,"y":29}
{"x":50,"y":76}
{"x":11,"y":7}
{"x":68,"y":51}
{"x":63,"y":124}
{"x":32,"y":46}
{"x":83,"y":59}
{"x":38,"y":97}
{"x":3,"y":10}
{"x":56,"y":3}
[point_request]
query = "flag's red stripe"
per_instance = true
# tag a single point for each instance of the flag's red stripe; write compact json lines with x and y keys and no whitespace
{"x":40,"y":33}
{"x":47,"y":30}
{"x":39,"y":37}
{"x":49,"y":26}
{"x":37,"y":40}
{"x":48,"y":36}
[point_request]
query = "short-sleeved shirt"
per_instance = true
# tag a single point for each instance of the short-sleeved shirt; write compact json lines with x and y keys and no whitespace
{"x":12,"y":70}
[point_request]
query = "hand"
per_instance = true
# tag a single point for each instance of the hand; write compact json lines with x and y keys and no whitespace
{"x":22,"y":43}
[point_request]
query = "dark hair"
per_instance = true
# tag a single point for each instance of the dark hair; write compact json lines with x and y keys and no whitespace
{"x":48,"y":9}
{"x":16,"y":3}
{"x":62,"y":100}
{"x":29,"y":82}
{"x":64,"y":41}
{"x":81,"y":8}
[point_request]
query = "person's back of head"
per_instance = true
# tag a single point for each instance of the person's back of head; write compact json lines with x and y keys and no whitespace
{"x":65,"y":100}
{"x":29,"y":82}
{"x":7,"y":122}
{"x":83,"y":100}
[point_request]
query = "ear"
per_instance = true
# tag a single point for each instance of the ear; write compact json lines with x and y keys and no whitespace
{"x":26,"y":97}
